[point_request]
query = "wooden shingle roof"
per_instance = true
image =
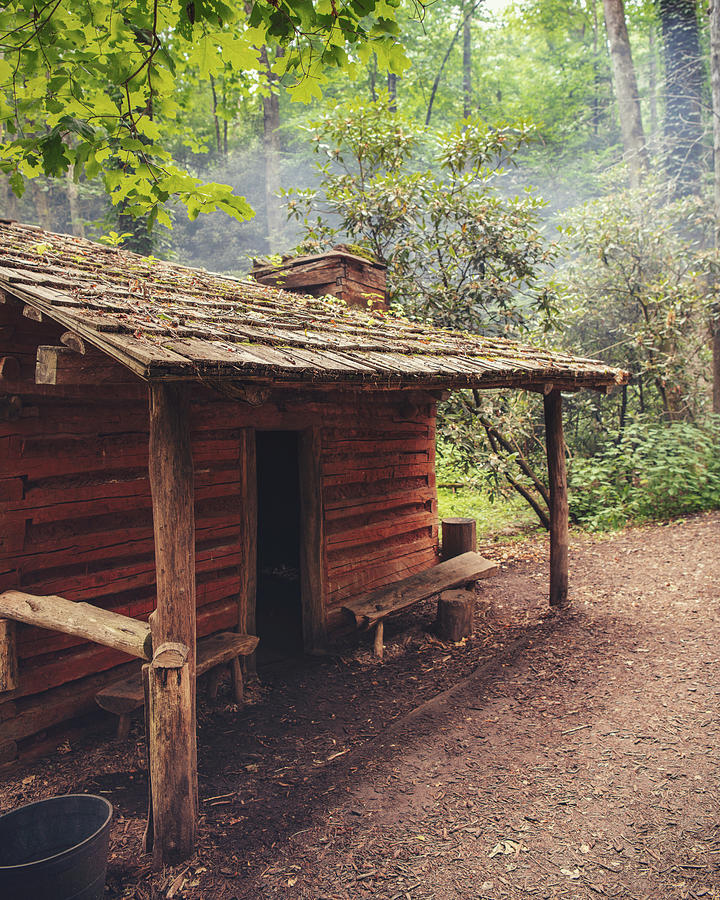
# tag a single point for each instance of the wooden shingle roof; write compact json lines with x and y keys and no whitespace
{"x":167,"y":321}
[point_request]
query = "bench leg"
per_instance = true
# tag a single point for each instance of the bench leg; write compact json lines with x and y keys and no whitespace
{"x":378,"y":643}
{"x":237,"y":681}
{"x":123,"y":728}
{"x":214,"y":679}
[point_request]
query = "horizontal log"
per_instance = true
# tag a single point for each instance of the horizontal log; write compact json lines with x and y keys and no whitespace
{"x":79,"y":619}
{"x":56,"y":705}
{"x":382,"y":574}
{"x":54,"y":669}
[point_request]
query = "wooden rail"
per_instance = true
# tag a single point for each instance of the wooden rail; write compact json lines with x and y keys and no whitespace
{"x":80,"y":620}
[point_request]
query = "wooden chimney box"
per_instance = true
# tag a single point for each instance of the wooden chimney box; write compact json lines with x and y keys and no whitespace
{"x":354,"y":279}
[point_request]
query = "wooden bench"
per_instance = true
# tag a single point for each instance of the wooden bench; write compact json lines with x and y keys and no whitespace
{"x":226,"y":647}
{"x":369,"y":610}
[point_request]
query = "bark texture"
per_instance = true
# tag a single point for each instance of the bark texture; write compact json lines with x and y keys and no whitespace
{"x":626,"y":91}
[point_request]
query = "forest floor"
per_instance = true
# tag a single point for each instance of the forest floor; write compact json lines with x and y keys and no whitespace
{"x":552,"y":756}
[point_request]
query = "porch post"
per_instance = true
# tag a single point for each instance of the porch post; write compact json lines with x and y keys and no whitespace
{"x":557,"y":475}
{"x":172,"y":732}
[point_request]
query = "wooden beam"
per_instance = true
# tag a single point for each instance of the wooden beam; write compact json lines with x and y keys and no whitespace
{"x":8,"y":656}
{"x":80,"y":620}
{"x":65,"y":365}
{"x":31,"y":313}
{"x":312,"y":542}
{"x":172,"y":737}
{"x":557,"y":475}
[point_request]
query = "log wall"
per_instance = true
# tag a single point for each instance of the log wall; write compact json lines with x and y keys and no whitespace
{"x":77,"y":513}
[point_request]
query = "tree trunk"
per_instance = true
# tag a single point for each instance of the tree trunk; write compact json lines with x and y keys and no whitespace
{"x":40,"y":189}
{"x":436,"y":83}
{"x":372,"y":77}
{"x":652,"y":86}
{"x":626,"y":91}
{"x":392,"y":91}
{"x":71,"y":190}
{"x":683,"y":93}
{"x":271,"y":146}
{"x":715,"y":81}
{"x":467,"y":63}
{"x":218,"y":139}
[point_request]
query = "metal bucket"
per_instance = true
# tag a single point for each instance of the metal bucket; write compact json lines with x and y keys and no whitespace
{"x":55,"y":849}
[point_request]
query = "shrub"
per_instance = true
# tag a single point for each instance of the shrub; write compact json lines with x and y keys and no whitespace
{"x":648,"y":471}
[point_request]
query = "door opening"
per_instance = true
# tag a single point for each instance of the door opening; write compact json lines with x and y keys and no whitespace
{"x":279,"y":598}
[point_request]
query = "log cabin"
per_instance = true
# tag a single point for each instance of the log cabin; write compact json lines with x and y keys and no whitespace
{"x":212,"y":455}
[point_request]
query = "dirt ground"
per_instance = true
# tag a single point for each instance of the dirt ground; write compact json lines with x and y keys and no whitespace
{"x":569,"y":756}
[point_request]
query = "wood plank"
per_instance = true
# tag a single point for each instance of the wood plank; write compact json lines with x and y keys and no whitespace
{"x":79,"y":619}
{"x":370,"y":608}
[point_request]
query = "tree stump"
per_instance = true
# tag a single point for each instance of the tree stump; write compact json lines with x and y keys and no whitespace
{"x":458,"y":537}
{"x":455,"y":615}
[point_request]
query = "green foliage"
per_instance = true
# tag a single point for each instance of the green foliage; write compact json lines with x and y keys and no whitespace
{"x":638,"y":292}
{"x":91,"y":87}
{"x":492,"y":514}
{"x":428,"y":204}
{"x":648,"y":471}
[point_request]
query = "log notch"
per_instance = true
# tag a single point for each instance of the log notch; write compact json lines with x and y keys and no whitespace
{"x":458,"y":536}
{"x":172,"y":735}
{"x":557,"y":475}
{"x":68,"y":365}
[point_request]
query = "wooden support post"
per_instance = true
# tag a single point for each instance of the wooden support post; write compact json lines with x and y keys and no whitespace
{"x":8,"y":656}
{"x":458,"y":536}
{"x":557,"y":475}
{"x":248,"y":537}
{"x":172,"y":725}
{"x":312,"y":542}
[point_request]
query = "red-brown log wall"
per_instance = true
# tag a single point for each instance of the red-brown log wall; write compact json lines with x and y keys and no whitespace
{"x":77,"y":513}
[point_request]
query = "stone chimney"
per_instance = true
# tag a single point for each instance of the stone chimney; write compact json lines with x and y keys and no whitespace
{"x":340,"y":272}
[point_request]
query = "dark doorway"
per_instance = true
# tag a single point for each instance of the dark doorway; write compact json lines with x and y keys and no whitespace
{"x":279,"y":602}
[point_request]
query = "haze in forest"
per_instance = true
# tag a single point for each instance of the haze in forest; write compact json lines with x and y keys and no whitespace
{"x":598,"y":237}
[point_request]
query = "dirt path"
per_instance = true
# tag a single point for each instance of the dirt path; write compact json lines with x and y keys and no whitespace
{"x":550,"y":756}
